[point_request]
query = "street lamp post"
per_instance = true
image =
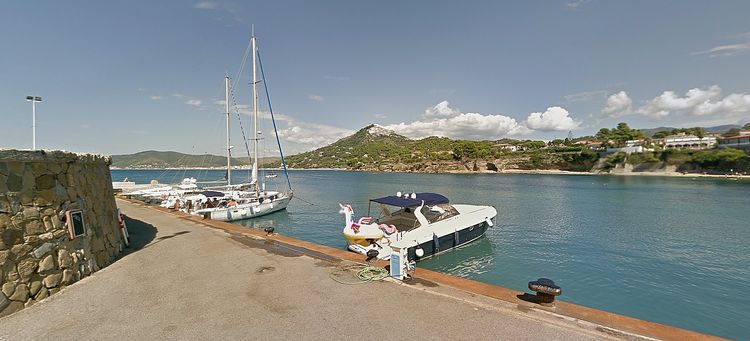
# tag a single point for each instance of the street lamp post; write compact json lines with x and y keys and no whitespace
{"x":33,"y":100}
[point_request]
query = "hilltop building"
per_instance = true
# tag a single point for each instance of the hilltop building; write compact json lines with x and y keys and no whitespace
{"x":631,"y":146}
{"x":741,"y":140}
{"x":683,"y":140}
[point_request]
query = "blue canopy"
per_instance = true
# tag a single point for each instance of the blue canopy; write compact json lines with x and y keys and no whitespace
{"x":407,"y":201}
{"x":212,"y":193}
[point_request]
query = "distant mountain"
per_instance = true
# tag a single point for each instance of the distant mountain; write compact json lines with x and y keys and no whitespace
{"x":376,"y":148}
{"x":167,"y":159}
{"x":716,"y":129}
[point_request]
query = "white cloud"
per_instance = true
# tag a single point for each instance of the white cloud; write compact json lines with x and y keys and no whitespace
{"x":316,"y":98}
{"x":725,"y":50}
{"x":443,"y":120}
{"x":618,"y":105}
{"x":220,"y":102}
{"x":442,"y":109}
{"x":732,"y":105}
{"x":155,"y":98}
{"x":380,"y":116}
{"x":206,"y":5}
{"x":669,"y":102}
{"x":574,"y":4}
{"x":741,"y":46}
{"x":303,"y":136}
{"x":586,"y":96}
{"x":194,"y":102}
{"x":179,"y":95}
{"x":554,"y":119}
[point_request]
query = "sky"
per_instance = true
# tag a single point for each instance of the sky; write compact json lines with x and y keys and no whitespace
{"x":119,"y":77}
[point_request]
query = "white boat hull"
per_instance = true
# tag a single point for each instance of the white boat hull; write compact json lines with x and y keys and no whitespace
{"x":247,"y":211}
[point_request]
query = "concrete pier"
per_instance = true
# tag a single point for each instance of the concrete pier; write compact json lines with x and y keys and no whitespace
{"x":185,"y":280}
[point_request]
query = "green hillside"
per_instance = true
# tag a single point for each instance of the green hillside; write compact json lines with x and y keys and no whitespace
{"x":158,"y":159}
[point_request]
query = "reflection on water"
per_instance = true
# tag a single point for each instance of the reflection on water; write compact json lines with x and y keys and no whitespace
{"x":466,"y":261}
{"x":669,"y":250}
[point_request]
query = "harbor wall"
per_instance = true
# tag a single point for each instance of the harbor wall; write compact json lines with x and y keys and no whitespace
{"x":39,"y":251}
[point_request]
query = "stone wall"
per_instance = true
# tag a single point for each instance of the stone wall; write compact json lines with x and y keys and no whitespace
{"x":37,"y":255}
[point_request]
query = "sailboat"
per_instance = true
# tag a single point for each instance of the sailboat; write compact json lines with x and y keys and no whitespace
{"x":251,"y":199}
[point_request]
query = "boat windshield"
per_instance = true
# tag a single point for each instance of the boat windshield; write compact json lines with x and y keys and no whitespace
{"x":403,"y":218}
{"x":438,"y":212}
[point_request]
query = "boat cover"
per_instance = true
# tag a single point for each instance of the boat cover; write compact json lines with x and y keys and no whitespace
{"x":407,"y":201}
{"x":212,"y":194}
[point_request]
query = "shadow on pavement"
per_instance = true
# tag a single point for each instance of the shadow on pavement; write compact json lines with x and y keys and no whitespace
{"x":141,"y":234}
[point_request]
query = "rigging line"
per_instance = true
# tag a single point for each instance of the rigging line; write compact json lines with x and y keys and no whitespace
{"x":270,"y":109}
{"x":239,"y":118}
{"x":303,"y":200}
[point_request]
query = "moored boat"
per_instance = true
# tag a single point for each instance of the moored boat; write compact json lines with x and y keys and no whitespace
{"x":418,"y":225}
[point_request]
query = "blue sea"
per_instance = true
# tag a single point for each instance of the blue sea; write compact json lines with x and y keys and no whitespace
{"x":669,"y":250}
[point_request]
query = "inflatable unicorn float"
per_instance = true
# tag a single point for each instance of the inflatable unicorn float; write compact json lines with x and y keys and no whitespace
{"x":365,"y":234}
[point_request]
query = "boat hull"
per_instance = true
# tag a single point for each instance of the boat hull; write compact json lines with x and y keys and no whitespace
{"x":448,"y":242}
{"x":249,"y":211}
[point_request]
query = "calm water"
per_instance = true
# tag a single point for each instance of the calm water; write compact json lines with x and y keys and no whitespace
{"x":675,"y":251}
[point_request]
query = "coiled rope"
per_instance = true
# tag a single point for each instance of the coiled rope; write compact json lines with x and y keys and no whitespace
{"x":363,"y":273}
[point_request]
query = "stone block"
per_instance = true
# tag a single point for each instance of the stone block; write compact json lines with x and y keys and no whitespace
{"x":21,"y":294}
{"x":31,"y":240}
{"x":29,"y":181}
{"x":46,"y":181}
{"x":4,"y":302}
{"x":15,"y":167}
{"x":64,"y":259}
{"x":53,"y":291}
{"x":9,"y":289}
{"x":31,"y":213}
{"x":5,"y":207}
{"x":42,"y":250}
{"x":39,"y":168}
{"x":10,"y":237}
{"x":60,"y":233}
{"x":20,"y":250}
{"x":52,"y":280}
{"x":14,"y":183}
{"x":47,"y":236}
{"x":34,"y":226}
{"x":68,"y":277}
{"x":42,"y":294}
{"x":26,"y":268}
{"x":34,"y":288}
{"x":5,"y":255}
{"x":45,"y":197}
{"x":11,"y":308}
{"x":26,"y":197}
{"x":29,"y":303}
{"x":47,"y":264}
{"x":4,"y":218}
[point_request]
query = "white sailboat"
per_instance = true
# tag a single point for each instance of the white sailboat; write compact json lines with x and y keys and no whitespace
{"x":252,"y":199}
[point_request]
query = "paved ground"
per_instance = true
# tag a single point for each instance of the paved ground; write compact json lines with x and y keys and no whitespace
{"x":188,"y":281}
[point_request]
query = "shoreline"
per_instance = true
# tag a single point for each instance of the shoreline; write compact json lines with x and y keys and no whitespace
{"x":501,"y":172}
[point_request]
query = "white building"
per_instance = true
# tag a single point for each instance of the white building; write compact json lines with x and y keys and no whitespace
{"x":689,"y":141}
{"x":631,"y":146}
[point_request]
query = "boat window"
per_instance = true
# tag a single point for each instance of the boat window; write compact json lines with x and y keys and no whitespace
{"x":438,"y":212}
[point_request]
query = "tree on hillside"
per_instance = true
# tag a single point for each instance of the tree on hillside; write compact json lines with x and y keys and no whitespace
{"x":618,"y":135}
{"x":731,"y":132}
{"x":746,"y":127}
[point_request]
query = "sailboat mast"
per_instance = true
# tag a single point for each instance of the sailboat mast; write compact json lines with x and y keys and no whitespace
{"x":255,"y":113}
{"x":229,"y":147}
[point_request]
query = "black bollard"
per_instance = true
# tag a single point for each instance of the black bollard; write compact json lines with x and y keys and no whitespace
{"x":546,"y":290}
